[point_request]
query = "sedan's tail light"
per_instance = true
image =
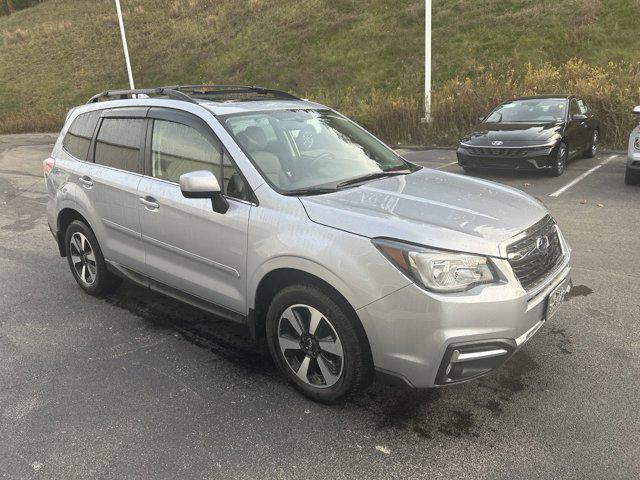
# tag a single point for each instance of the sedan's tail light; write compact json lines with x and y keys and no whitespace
{"x":47,"y":166}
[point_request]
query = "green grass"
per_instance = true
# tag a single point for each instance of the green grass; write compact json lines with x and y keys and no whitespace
{"x":348,"y":52}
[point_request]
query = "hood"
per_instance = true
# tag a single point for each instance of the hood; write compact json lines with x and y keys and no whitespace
{"x":513,"y":134}
{"x":432,"y":208}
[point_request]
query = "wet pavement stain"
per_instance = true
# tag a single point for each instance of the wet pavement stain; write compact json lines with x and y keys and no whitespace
{"x":562,"y":340}
{"x":225,"y":339}
{"x":579,"y":291}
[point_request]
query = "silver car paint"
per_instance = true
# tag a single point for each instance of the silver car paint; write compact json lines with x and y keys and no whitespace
{"x":224,"y":258}
{"x":633,"y":153}
{"x":430,"y":207}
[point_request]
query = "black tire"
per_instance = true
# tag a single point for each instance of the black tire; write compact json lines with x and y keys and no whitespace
{"x":631,"y":177}
{"x":103,"y":280}
{"x":560,"y":160}
{"x":591,"y":151}
{"x":356,"y":366}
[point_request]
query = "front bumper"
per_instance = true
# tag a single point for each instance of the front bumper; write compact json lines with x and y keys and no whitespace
{"x":525,"y":159}
{"x":414,"y":333}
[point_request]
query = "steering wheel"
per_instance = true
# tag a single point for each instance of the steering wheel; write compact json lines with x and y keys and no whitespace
{"x":306,"y":138}
{"x":308,"y":168}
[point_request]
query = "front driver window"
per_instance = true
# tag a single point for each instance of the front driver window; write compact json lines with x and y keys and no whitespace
{"x":178,"y":149}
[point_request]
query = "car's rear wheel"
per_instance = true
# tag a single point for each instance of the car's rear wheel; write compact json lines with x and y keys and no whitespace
{"x":631,"y":177}
{"x":86,"y":260}
{"x":560,"y":161}
{"x":593,"y":145}
{"x":316,"y":343}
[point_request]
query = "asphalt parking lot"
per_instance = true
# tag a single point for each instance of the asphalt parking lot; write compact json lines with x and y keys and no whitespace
{"x":136,"y":385}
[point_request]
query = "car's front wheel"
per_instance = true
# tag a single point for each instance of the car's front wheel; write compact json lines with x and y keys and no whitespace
{"x":316,"y":343}
{"x":86,"y":260}
{"x":560,"y":161}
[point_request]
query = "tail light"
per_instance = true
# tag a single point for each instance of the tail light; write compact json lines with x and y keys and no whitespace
{"x":47,"y":166}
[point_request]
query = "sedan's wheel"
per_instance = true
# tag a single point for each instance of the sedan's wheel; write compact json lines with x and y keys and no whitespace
{"x":560,"y":162}
{"x":86,"y":261}
{"x":318,"y":343}
{"x":593,"y":146}
{"x":310,"y":346}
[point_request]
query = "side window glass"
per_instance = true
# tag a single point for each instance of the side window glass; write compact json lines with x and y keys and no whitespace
{"x":573,"y":108}
{"x":78,"y":137}
{"x":582,"y":107}
{"x":235,"y":185}
{"x":178,"y":149}
{"x":118,"y":143}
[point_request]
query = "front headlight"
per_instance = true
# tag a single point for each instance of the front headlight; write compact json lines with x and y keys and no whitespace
{"x":637,"y":143}
{"x":438,"y":270}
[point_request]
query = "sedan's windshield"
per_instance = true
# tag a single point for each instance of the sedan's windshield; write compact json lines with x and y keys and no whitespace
{"x":538,"y":110}
{"x":311,"y":151}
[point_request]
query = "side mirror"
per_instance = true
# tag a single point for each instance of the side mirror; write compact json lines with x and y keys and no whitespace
{"x":481,"y":119}
{"x":204,"y":184}
{"x":637,"y":110}
{"x":578,"y":117}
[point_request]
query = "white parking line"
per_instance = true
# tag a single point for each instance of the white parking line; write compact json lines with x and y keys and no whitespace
{"x":446,"y":165}
{"x":560,"y":191}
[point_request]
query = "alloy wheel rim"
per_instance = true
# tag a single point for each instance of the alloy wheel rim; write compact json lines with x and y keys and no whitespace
{"x":594,"y":143}
{"x":310,"y":346}
{"x":562,"y":153}
{"x":83,"y":259}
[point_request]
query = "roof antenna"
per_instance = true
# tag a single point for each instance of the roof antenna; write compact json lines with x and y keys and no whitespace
{"x":124,"y":45}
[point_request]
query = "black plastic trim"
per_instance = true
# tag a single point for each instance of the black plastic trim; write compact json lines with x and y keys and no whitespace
{"x":506,"y":343}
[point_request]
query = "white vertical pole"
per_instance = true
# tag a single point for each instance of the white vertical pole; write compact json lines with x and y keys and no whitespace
{"x":124,"y":44}
{"x":427,"y":61}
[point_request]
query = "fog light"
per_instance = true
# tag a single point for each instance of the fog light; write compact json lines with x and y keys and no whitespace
{"x":465,"y":361}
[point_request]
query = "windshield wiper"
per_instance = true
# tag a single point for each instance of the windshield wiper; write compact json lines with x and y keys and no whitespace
{"x":309,"y":191}
{"x":373,"y":176}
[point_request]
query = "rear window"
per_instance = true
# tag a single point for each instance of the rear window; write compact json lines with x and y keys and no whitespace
{"x":78,"y":137}
{"x":118,"y":143}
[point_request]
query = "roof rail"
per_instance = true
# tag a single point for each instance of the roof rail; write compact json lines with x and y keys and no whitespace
{"x":231,"y":89}
{"x":124,"y":94}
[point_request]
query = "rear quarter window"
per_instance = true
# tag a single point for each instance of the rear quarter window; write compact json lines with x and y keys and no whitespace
{"x":78,"y":138}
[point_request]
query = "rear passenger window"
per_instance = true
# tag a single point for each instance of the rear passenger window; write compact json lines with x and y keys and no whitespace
{"x":178,"y":149}
{"x":118,"y":143}
{"x":78,"y":137}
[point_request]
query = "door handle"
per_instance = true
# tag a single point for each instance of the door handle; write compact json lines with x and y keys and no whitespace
{"x":86,"y":181}
{"x":149,"y":203}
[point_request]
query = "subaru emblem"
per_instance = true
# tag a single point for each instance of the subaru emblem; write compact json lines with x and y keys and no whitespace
{"x":542,"y":244}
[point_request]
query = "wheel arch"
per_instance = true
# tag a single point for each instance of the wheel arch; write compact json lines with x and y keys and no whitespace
{"x":65,"y":217}
{"x":277,"y":279}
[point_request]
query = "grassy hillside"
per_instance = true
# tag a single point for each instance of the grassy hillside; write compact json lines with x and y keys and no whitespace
{"x":364,"y":57}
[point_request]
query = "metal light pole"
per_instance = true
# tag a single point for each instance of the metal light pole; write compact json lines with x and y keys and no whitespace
{"x":124,"y":44}
{"x":427,"y":61}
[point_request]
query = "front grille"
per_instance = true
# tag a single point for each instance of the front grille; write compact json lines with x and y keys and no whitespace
{"x":498,"y":152}
{"x":531,"y":262}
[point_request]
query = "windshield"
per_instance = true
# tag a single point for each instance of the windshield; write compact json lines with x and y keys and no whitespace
{"x":538,"y":110}
{"x":310,"y":149}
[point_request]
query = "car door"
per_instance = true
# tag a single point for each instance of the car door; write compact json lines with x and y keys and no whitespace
{"x":117,"y":153}
{"x":188,"y":246}
{"x":577,"y":131}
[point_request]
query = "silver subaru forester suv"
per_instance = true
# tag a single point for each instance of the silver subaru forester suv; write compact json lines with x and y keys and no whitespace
{"x":285,"y":216}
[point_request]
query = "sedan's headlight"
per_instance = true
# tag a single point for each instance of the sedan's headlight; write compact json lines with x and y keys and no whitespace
{"x":438,"y":270}
{"x":637,"y":143}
